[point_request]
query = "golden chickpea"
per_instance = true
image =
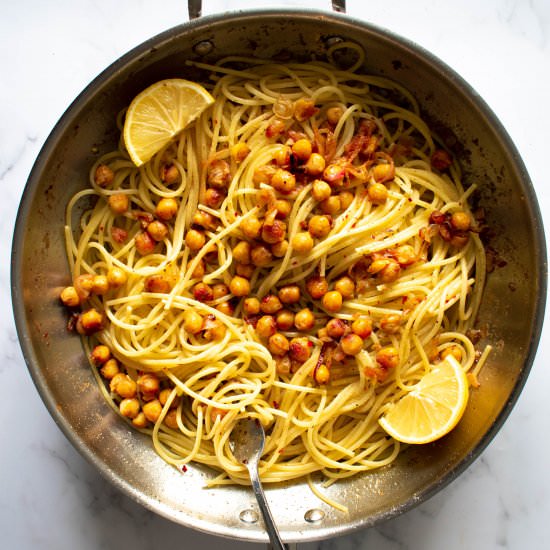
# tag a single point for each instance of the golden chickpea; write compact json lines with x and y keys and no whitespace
{"x":304,"y":108}
{"x":226,"y":308}
{"x":109,"y":369}
{"x":283,"y":208}
{"x":216,"y":329}
{"x":218,"y":174}
{"x":452,"y":350}
{"x":278,"y":344}
{"x":192,"y":321}
{"x":251,"y":306}
{"x":334,"y":114}
{"x":336,"y":328}
{"x":69,"y":296}
{"x":123,"y":385}
{"x":199,"y":271}
{"x":239,"y":286}
{"x":460,"y":221}
{"x":239,"y":152}
{"x":362,"y":326}
{"x":383,"y":172}
{"x":351,"y":344}
{"x":390,"y":323}
{"x":213,"y":197}
{"x":284,"y":319}
{"x":251,"y":227}
{"x":89,"y":321}
{"x":245,"y":271}
{"x":332,"y":301}
{"x":319,"y":226}
{"x":346,"y":198}
{"x":263,"y":174}
{"x":334,"y":173}
{"x":116,"y":277}
{"x":100,"y":354}
{"x":270,"y":304}
{"x":169,"y":173}
{"x":317,"y":286}
{"x":390,"y":273}
{"x":166,"y":208}
{"x":321,"y":374}
{"x":279,"y":249}
{"x":302,"y":242}
{"x":119,"y":203}
{"x":321,"y":190}
{"x":140,"y":421}
{"x":129,"y":407}
{"x":195,"y":239}
{"x":276,"y":128}
{"x":460,"y":240}
{"x":219,"y":290}
{"x":103,"y":175}
{"x":203,"y":292}
{"x":315,"y":165}
{"x":345,"y":286}
{"x":100,"y":285}
{"x":304,"y":319}
{"x":283,"y":365}
{"x":331,"y":206}
{"x":281,"y":155}
{"x":157,"y":283}
{"x":241,"y":252}
{"x":302,"y":149}
{"x":83,"y":285}
{"x":284,"y":181}
{"x":157,"y":230}
{"x":266,"y":196}
{"x":289,"y":294}
{"x":273,"y":231}
{"x":300,"y":349}
{"x":261,"y":255}
{"x":148,"y":386}
{"x":165,"y":394}
{"x":204,"y":219}
{"x":266,"y":326}
{"x":171,"y":419}
{"x":405,"y":255}
{"x":377,"y":193}
{"x":152,"y":410}
{"x":145,"y":244}
{"x":387,"y":357}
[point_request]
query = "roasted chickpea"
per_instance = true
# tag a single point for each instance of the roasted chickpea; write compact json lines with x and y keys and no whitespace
{"x":158,"y":230}
{"x":302,"y":149}
{"x":119,"y":203}
{"x":239,"y":152}
{"x":171,"y":419}
{"x":281,"y":155}
{"x":283,"y":365}
{"x":219,"y":290}
{"x":148,"y":386}
{"x":152,"y":410}
{"x":334,"y":173}
{"x":251,"y":227}
{"x":266,"y":326}
{"x":100,"y":284}
{"x":110,"y":369}
{"x":199,"y":270}
{"x":383,"y":172}
{"x":362,"y":326}
{"x":83,"y":285}
{"x":261,"y":255}
{"x":317,"y":286}
{"x":241,"y":252}
{"x":332,"y":301}
{"x":251,"y":306}
{"x":214,"y":329}
{"x":226,"y":308}
{"x":218,"y":174}
{"x":103,"y":175}
{"x":279,"y":249}
{"x":284,"y":181}
{"x":195,"y":239}
{"x":331,"y":205}
{"x":129,"y":407}
{"x":302,"y":242}
{"x":319,"y":226}
{"x":321,"y":190}
{"x":321,"y":374}
{"x":100,"y":354}
{"x":304,"y":319}
{"x":304,"y":108}
{"x":300,"y":349}
{"x":315,"y":165}
{"x":166,"y":208}
{"x":192,"y":321}
{"x":266,"y":196}
{"x":276,"y":128}
{"x":377,"y":193}
{"x":69,"y":296}
{"x":283,"y":208}
{"x":165,"y":394}
{"x":263,"y":174}
{"x":213,"y":197}
{"x":169,"y":173}
{"x":270,"y":304}
{"x":203,"y":292}
{"x":334,"y":114}
{"x":245,"y":271}
{"x":459,"y":240}
{"x":239,"y":286}
{"x":351,"y":344}
{"x":284,"y":319}
{"x":390,"y":323}
{"x":278,"y":344}
{"x":123,"y":385}
{"x":405,"y":255}
{"x":460,"y":221}
{"x":140,"y":421}
{"x":387,"y":357}
{"x":390,"y":273}
{"x":289,"y":294}
{"x":204,"y":219}
{"x":346,"y":198}
{"x":336,"y":328}
{"x":273,"y":231}
{"x":89,"y":321}
{"x":453,"y":350}
{"x":345,"y":286}
{"x":116,"y":277}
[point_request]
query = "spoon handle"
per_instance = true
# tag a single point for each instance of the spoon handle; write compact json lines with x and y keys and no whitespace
{"x":272,"y":531}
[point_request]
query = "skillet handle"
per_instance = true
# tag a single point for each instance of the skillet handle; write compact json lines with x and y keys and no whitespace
{"x":195,"y":7}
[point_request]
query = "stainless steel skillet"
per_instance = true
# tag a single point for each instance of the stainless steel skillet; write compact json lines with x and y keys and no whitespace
{"x":512,"y":309}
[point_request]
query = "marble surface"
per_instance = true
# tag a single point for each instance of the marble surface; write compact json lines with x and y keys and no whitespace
{"x":50,"y":498}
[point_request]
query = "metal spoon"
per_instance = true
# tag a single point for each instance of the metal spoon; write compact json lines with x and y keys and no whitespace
{"x":247,"y":444}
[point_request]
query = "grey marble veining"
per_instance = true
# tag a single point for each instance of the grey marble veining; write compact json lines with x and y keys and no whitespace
{"x":50,"y":497}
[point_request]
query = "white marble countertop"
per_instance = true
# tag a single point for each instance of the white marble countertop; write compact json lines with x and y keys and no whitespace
{"x":50,"y":497}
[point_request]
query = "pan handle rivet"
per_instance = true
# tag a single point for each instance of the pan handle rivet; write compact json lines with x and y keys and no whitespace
{"x":203,"y":48}
{"x":314,"y":515}
{"x":249,"y":516}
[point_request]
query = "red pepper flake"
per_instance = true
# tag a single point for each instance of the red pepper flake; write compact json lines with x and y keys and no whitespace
{"x":276,"y":404}
{"x":184,"y":468}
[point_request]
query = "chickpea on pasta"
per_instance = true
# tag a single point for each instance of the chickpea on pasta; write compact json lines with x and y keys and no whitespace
{"x":300,"y":254}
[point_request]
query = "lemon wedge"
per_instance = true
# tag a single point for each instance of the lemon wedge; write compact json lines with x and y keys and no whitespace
{"x":432,"y":408}
{"x":159,"y":113}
